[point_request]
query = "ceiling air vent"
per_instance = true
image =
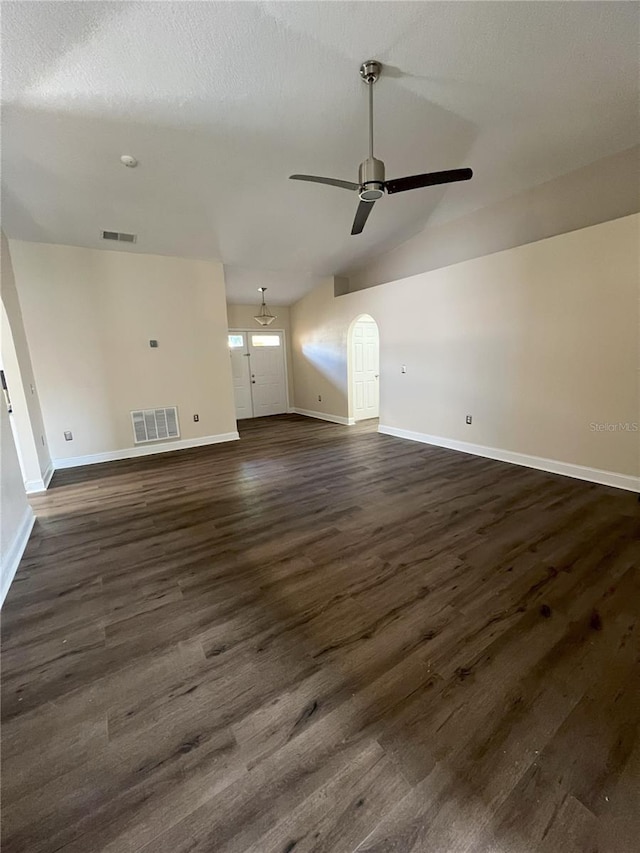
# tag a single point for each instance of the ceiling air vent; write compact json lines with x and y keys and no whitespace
{"x":155,"y":424}
{"x":120,"y":236}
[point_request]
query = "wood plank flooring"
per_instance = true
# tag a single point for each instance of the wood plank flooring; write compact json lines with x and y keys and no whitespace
{"x":323,"y":639}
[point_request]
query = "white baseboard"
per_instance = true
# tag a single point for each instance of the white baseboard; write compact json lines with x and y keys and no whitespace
{"x":14,"y":554}
{"x":147,"y":450}
{"x":36,"y":487}
{"x":553,"y":466}
{"x":48,"y":474}
{"x":322,"y":416}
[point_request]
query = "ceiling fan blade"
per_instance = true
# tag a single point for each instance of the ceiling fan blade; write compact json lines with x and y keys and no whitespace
{"x":362,"y":214}
{"x":430,"y":179}
{"x":332,"y":182}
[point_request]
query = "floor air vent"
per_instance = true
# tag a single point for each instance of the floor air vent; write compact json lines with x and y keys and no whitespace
{"x":119,"y":235}
{"x":155,"y":424}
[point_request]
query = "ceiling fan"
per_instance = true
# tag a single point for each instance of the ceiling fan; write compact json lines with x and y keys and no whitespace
{"x":371,"y":183}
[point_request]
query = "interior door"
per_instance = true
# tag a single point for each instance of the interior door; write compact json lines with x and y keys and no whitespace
{"x":366,"y":356}
{"x":241,"y":374}
{"x":268,"y":385}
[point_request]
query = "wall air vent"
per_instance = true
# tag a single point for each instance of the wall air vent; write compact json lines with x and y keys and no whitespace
{"x":120,"y":236}
{"x":155,"y":424}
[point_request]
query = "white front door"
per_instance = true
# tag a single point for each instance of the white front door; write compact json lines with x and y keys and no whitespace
{"x":268,"y":384}
{"x":258,"y":373}
{"x":240,"y":374}
{"x":366,"y":356}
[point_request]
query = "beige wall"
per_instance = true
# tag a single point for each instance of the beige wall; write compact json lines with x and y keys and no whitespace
{"x":319,"y":326}
{"x":17,"y":363}
{"x":15,"y":511}
{"x":536,"y":343}
{"x":599,"y":192}
{"x":89,"y":315}
{"x":241,"y":317}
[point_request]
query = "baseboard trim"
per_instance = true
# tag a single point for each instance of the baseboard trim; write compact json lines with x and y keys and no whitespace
{"x":552,"y":466}
{"x":15,"y":552}
{"x":48,"y":474}
{"x":322,"y":416}
{"x":40,"y":485}
{"x":35,"y":487}
{"x":150,"y":450}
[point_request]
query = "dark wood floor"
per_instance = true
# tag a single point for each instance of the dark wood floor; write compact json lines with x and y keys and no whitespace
{"x":323,"y":639}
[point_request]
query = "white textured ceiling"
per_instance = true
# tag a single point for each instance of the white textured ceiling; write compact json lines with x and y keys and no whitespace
{"x":220,"y":102}
{"x":283,"y":286}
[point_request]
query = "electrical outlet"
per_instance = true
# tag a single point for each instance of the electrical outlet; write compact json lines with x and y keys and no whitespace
{"x":196,"y":418}
{"x":468,"y":419}
{"x":153,"y":344}
{"x":68,"y":435}
{"x":319,"y":398}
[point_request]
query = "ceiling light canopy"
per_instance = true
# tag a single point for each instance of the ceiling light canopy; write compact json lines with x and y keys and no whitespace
{"x":264,"y":316}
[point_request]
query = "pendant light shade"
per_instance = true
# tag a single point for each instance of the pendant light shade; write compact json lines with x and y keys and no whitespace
{"x":264,"y":316}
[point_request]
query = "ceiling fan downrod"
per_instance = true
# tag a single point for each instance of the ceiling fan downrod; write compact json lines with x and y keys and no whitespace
{"x":371,"y":171}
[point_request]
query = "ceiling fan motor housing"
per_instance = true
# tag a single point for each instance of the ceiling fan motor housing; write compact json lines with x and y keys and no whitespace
{"x":371,"y":179}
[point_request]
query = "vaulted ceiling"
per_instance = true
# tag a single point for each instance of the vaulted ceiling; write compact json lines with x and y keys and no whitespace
{"x":221,"y":102}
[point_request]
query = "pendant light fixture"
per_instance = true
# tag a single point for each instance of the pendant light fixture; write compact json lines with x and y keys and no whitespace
{"x":264,"y":316}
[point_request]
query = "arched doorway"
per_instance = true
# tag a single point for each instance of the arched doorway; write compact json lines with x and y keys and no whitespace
{"x":364,"y":368}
